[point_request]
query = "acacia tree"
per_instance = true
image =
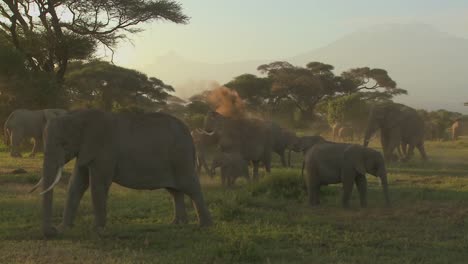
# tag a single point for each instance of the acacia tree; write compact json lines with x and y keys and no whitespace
{"x":376,"y":84}
{"x":50,"y":33}
{"x":254,"y":90}
{"x":107,"y":86}
{"x":304,"y":87}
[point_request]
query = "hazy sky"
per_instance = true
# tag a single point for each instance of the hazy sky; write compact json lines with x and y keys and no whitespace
{"x":221,"y":31}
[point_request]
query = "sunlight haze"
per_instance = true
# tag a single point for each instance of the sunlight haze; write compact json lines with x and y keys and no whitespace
{"x":234,"y":37}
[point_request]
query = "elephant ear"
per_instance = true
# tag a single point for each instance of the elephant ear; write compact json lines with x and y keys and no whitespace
{"x":356,"y":156}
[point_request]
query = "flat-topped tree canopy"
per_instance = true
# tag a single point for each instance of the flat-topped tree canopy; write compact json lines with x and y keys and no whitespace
{"x":51,"y":33}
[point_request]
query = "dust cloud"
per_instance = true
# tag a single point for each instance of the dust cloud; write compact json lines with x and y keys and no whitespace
{"x":227,"y":102}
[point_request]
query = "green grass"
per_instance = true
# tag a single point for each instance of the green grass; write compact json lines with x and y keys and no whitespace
{"x":267,"y":222}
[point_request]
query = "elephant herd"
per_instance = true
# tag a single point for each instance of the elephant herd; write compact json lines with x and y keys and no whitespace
{"x":156,"y":150}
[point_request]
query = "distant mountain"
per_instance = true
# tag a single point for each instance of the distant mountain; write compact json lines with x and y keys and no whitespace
{"x":189,"y":77}
{"x":431,"y":65}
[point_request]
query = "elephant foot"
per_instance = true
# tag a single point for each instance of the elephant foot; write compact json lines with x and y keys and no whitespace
{"x":206,"y":222}
{"x":179,"y":221}
{"x":50,"y":232}
{"x":100,"y":231}
{"x":314,"y":204}
{"x":63,"y":227}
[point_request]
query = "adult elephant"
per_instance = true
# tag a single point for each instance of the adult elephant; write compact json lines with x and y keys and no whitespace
{"x":282,"y":139}
{"x":138,"y":151}
{"x":398,"y":124}
{"x":202,"y":143}
{"x":459,"y":128}
{"x":331,"y":163}
{"x":252,"y":138}
{"x":24,"y":124}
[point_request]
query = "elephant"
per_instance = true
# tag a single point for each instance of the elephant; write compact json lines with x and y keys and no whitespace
{"x":252,"y":138}
{"x":398,"y":124}
{"x":456,"y":127}
{"x":139,"y":151}
{"x":25,"y":124}
{"x":202,"y":142}
{"x":282,"y":140}
{"x":232,"y":166}
{"x":332,"y":163}
{"x":459,"y":128}
{"x":346,"y":133}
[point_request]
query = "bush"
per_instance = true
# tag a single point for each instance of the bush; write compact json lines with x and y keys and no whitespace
{"x":285,"y":186}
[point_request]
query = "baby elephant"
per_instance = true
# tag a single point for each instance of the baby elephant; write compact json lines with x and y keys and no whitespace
{"x":232,"y":166}
{"x":331,"y":163}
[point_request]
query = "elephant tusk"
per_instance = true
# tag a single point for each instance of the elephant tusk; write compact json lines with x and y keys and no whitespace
{"x":35,"y":186}
{"x":57,"y":179}
{"x":205,"y":132}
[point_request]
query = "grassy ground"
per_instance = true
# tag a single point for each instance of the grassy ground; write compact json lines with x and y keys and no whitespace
{"x":268,"y":222}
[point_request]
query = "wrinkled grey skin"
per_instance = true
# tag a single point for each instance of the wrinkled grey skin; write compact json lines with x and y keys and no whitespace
{"x":202,"y":143}
{"x":346,"y":133}
{"x":23,"y":124}
{"x":138,"y":151}
{"x":398,"y":124}
{"x":332,"y":163}
{"x":282,"y":141}
{"x":232,"y":166}
{"x":252,"y":138}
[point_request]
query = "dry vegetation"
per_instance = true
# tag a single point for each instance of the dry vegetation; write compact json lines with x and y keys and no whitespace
{"x":268,"y":222}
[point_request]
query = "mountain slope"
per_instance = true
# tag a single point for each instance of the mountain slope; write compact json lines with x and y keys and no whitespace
{"x":431,"y":65}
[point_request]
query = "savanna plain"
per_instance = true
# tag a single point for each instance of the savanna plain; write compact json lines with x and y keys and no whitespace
{"x":264,"y":222}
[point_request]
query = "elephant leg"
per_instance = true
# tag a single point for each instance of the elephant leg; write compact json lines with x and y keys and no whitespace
{"x":100,"y":182}
{"x":361,"y":185}
{"x":205,"y":166}
{"x":76,"y":188}
{"x":198,"y":164}
{"x":410,"y":152}
{"x":283,"y":159}
{"x":15,"y":144}
{"x":422,"y":151}
{"x":204,"y":217}
{"x":37,"y":143}
{"x":255,"y":170}
{"x":312,"y":184}
{"x":267,"y":163}
{"x":224,"y":182}
{"x":180,"y":214}
{"x":231,"y":180}
{"x":392,"y":144}
{"x":347,"y":179}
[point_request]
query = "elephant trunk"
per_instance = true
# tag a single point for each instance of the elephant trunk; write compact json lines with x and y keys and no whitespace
{"x":384,"y":183}
{"x":370,"y":130}
{"x":54,"y":159}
